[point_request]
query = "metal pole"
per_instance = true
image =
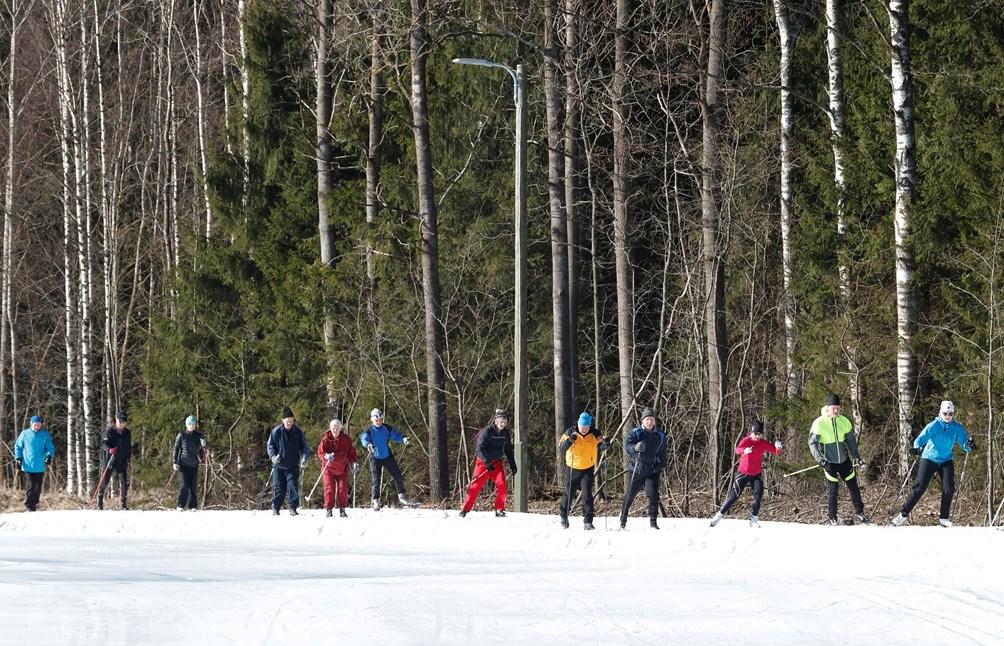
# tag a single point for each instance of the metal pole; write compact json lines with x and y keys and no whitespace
{"x":519,"y":385}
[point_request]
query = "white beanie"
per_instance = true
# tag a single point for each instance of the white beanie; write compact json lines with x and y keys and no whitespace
{"x":947,"y":407}
{"x":375,"y":413}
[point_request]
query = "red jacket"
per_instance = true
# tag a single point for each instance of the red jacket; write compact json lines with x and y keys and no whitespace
{"x":750,"y":463}
{"x":345,"y":452}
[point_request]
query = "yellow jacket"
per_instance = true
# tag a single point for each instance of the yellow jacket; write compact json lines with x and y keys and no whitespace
{"x":582,"y":452}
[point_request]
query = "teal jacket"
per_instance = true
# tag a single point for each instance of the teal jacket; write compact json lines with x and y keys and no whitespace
{"x":32,"y":447}
{"x":939,"y":438}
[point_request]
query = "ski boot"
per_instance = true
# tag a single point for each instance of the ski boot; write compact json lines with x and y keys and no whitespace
{"x":499,"y":513}
{"x":944,"y":522}
{"x":588,"y":527}
{"x":754,"y":521}
{"x":898,"y":520}
{"x":717,"y":518}
{"x":327,"y":513}
{"x":341,"y":513}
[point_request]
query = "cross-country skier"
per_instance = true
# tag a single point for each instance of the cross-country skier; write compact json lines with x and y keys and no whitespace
{"x":645,"y":446}
{"x":751,"y":450}
{"x":189,"y":450}
{"x":288,"y":451}
{"x":581,"y":445}
{"x":376,"y":440}
{"x":934,"y":446}
{"x":338,"y":457}
{"x":33,"y":451}
{"x":493,"y":443}
{"x":117,"y":444}
{"x":835,"y":447}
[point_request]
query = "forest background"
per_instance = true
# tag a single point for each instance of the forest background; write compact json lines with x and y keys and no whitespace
{"x":222,"y":207}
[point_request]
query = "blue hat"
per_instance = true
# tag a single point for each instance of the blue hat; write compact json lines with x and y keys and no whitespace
{"x":191,"y":420}
{"x":36,"y":419}
{"x":585,"y":419}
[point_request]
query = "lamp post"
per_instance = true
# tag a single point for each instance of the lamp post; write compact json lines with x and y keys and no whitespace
{"x":519,"y":342}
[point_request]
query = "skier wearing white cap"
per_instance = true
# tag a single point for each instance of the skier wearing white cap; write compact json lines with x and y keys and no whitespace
{"x":376,"y":440}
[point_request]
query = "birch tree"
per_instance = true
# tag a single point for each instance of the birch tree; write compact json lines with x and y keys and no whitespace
{"x":905,"y":176}
{"x":373,"y":159}
{"x":324,"y":153}
{"x":573,"y":189}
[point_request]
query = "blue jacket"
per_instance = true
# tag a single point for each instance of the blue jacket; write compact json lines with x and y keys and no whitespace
{"x":653,"y":460}
{"x":939,"y":438}
{"x":33,"y":447}
{"x":379,"y":438}
{"x":289,"y":445}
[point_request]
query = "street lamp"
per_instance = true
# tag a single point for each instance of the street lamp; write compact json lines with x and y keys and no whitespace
{"x":519,"y":342}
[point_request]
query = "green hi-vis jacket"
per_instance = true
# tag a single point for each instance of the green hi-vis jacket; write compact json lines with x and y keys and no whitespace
{"x":832,"y":439}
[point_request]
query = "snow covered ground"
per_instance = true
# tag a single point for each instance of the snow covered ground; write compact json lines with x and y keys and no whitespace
{"x":428,"y":577}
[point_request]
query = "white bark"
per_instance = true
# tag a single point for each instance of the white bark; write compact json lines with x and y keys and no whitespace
{"x":197,"y":8}
{"x":905,"y":173}
{"x":6,"y":264}
{"x":835,"y":67}
{"x":245,"y":101}
{"x":789,"y":305}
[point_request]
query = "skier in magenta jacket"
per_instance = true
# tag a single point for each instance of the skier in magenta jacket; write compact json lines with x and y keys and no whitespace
{"x":751,"y":450}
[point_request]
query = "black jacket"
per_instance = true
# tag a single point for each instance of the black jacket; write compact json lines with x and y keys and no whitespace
{"x":112,"y":439}
{"x":188,"y":448}
{"x":492,"y":444}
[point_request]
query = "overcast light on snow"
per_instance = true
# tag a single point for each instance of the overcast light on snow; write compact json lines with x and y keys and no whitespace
{"x":420,"y":576}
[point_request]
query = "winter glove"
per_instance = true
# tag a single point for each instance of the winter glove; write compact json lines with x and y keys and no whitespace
{"x":18,"y":460}
{"x":778,"y":445}
{"x":404,"y":440}
{"x":275,"y":459}
{"x":859,"y":463}
{"x":639,"y":447}
{"x":303,"y":461}
{"x":822,"y":462}
{"x":490,"y":467}
{"x":917,"y":450}
{"x":571,"y":437}
{"x":48,"y":459}
{"x":328,"y":457}
{"x":369,"y":448}
{"x":971,"y":444}
{"x":175,"y":466}
{"x":203,"y":442}
{"x":113,"y":451}
{"x":604,"y":445}
{"x":747,"y":450}
{"x":355,"y":467}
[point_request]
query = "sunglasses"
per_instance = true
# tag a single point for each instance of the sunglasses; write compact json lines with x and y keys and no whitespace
{"x":948,"y":414}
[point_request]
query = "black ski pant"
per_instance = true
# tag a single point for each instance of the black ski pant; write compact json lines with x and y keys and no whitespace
{"x":32,"y":489}
{"x":377,"y":465}
{"x":123,"y":477}
{"x":925,"y":471}
{"x":648,"y":482}
{"x":578,"y":479}
{"x":835,"y":473}
{"x":285,"y":481}
{"x":186,"y":494}
{"x":756,"y":485}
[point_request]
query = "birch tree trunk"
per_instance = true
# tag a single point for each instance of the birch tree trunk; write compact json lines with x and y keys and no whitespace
{"x":835,"y":68}
{"x":245,"y":103}
{"x":197,"y":12}
{"x":559,"y":240}
{"x":373,"y":159}
{"x":438,"y":465}
{"x":905,"y":172}
{"x":573,"y":192}
{"x":324,"y":175}
{"x":713,"y":245}
{"x":787,"y":37}
{"x":622,"y":158}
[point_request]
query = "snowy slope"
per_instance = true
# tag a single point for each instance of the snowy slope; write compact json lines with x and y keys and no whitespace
{"x":429,"y":577}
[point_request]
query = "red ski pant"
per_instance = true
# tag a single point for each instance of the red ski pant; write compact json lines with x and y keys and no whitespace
{"x":482,"y":476}
{"x":333,"y":483}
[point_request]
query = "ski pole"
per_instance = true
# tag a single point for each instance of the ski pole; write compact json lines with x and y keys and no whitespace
{"x":899,"y":494}
{"x":171,"y":478}
{"x":993,"y":521}
{"x":788,"y":475}
{"x":319,"y":476}
{"x":100,"y":482}
{"x":962,"y":480}
{"x":354,"y":471}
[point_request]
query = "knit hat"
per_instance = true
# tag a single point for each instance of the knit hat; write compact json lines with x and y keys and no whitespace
{"x":121,"y":416}
{"x":648,"y":412}
{"x":585,"y":419}
{"x":757,"y":427}
{"x":832,"y":400}
{"x":287,"y":412}
{"x":501,"y":412}
{"x":946,"y":407}
{"x":36,"y":419}
{"x":191,"y":420}
{"x":376,"y":412}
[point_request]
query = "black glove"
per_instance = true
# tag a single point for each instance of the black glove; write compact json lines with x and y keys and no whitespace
{"x":512,"y":468}
{"x":604,"y":445}
{"x":822,"y":462}
{"x":917,"y":450}
{"x":639,"y":447}
{"x":490,"y":467}
{"x":572,"y":437}
{"x":859,"y":463}
{"x":48,"y":459}
{"x":971,"y":444}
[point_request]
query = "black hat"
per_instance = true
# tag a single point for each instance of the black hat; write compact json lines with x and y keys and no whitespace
{"x":648,"y":412}
{"x":757,"y":427}
{"x":121,"y":416}
{"x":832,"y":400}
{"x":287,"y":412}
{"x":501,"y":412}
